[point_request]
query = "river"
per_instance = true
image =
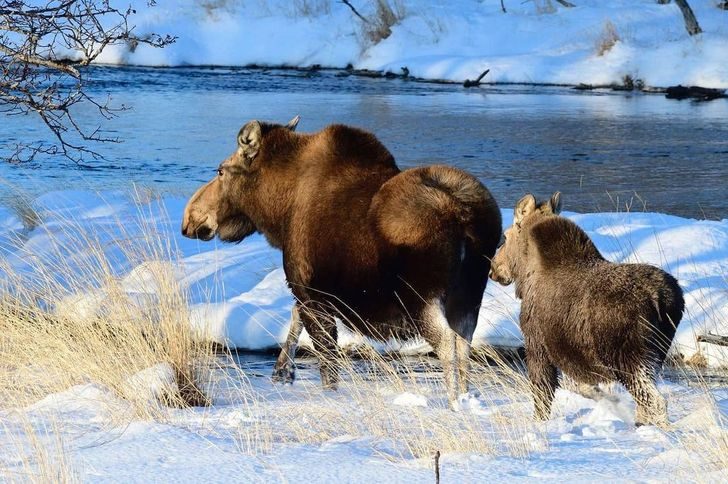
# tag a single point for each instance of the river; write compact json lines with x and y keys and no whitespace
{"x":605,"y":151}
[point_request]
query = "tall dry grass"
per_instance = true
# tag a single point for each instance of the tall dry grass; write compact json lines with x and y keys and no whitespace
{"x":66,"y":319}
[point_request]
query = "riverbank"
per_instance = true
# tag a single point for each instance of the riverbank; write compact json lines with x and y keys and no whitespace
{"x":592,"y":44}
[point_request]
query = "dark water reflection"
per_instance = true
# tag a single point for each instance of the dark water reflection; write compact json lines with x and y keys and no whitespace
{"x":604,"y":151}
{"x":260,"y":365}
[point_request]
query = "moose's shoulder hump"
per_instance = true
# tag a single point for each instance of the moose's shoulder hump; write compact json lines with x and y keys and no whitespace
{"x":558,"y":240}
{"x":354,"y":143}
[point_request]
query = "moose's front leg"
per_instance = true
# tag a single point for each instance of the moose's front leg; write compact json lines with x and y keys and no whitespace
{"x":321,"y":327}
{"x":285,"y":368}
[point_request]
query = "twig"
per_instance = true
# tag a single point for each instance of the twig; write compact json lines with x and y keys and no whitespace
{"x":437,"y":467}
{"x":348,"y":4}
{"x":565,"y":3}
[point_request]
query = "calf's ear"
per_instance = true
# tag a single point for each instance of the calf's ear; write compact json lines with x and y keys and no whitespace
{"x":555,"y":203}
{"x":293,"y":123}
{"x":249,"y":141}
{"x":524,"y":207}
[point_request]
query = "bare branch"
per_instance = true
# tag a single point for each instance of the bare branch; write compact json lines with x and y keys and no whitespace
{"x":691,"y":23}
{"x":354,"y":10}
{"x":44,"y":48}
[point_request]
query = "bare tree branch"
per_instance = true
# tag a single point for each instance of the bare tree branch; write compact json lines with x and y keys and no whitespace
{"x":354,"y":10}
{"x":691,"y":23}
{"x":44,"y":47}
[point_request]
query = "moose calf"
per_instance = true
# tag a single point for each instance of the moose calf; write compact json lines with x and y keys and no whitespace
{"x":594,"y":320}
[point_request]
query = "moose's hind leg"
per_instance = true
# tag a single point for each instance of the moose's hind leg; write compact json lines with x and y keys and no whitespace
{"x":437,"y":332}
{"x":285,"y":369}
{"x":464,"y":329}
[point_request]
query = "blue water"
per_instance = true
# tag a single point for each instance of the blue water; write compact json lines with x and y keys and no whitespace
{"x":605,"y":151}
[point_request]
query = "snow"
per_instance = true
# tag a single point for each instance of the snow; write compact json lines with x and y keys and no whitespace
{"x":585,"y":440}
{"x":237,"y":294}
{"x":408,"y":399}
{"x":446,"y":40}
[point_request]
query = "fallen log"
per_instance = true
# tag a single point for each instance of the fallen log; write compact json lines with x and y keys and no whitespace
{"x":476,"y":82}
{"x":713,"y":339}
{"x":695,"y":92}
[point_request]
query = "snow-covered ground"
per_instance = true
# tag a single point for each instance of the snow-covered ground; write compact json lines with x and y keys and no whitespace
{"x":375,"y":428}
{"x":595,"y":42}
{"x":238,"y":296}
{"x":368,"y":432}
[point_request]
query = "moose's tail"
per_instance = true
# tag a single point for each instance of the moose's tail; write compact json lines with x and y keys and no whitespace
{"x":422,"y":204}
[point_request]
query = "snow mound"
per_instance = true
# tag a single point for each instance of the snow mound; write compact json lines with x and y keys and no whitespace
{"x":407,"y":399}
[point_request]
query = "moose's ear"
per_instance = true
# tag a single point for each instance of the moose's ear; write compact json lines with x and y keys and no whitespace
{"x":524,"y":207}
{"x":249,"y":141}
{"x":293,"y":123}
{"x":555,"y":203}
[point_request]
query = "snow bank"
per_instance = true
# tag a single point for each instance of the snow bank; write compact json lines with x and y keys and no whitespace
{"x":451,"y":40}
{"x":238,"y":294}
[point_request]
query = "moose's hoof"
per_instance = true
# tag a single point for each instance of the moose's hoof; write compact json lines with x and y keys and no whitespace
{"x":284,"y":375}
{"x":330,"y":382}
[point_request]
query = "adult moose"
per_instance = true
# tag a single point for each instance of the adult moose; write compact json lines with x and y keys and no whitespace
{"x":593,"y":319}
{"x":390,"y":253}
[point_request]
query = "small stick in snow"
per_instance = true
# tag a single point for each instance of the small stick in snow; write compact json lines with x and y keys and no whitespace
{"x":475,"y":83}
{"x":565,"y":3}
{"x":437,"y":467}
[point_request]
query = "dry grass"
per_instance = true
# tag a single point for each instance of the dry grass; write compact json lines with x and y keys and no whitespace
{"x":388,"y":13}
{"x":544,"y":7}
{"x":607,"y":39}
{"x":311,"y":8}
{"x":500,"y":425}
{"x":66,"y":317}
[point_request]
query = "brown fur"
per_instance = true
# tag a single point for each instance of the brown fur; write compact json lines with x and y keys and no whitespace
{"x":390,"y":253}
{"x":595,"y":320}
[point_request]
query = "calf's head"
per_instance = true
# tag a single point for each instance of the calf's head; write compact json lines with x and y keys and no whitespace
{"x":509,"y":262}
{"x":221,"y":206}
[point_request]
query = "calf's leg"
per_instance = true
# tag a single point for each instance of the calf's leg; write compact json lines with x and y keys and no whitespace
{"x":543,"y":376}
{"x":651,"y":405}
{"x":284,"y":370}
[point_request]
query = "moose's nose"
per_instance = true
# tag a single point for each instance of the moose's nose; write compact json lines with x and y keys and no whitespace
{"x":185,"y":227}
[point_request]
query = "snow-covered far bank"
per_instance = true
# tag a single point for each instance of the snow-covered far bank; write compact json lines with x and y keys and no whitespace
{"x":237,"y":294}
{"x":595,"y":42}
